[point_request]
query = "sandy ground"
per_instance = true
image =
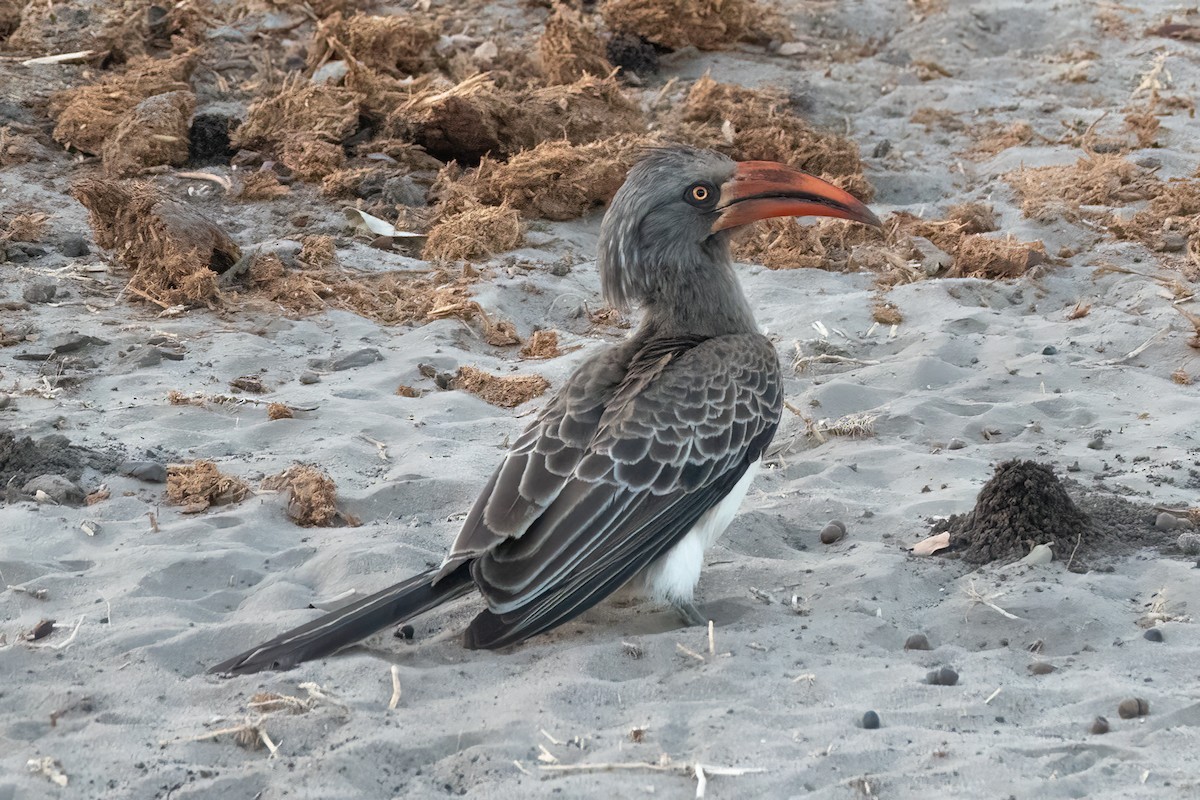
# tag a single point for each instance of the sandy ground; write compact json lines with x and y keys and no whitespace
{"x":808,"y":637}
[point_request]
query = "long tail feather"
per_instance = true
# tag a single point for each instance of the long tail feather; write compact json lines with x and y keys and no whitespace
{"x":343,"y":627}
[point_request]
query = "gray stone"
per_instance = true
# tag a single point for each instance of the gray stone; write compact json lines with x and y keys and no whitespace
{"x":39,"y":292}
{"x":359,"y":358}
{"x":71,"y":342}
{"x":309,"y":377}
{"x":148,"y":471}
{"x":74,"y":246}
{"x":57,"y":487}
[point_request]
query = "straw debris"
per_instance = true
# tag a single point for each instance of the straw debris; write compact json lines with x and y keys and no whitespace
{"x":503,"y":391}
{"x":312,"y":498}
{"x":1170,"y":223}
{"x":198,"y":485}
{"x":86,"y":115}
{"x":570,"y":48}
{"x":279,"y":411}
{"x":395,"y":45}
{"x":173,"y":251}
{"x":983,"y":257}
{"x":784,"y":243}
{"x":992,"y":138}
{"x":29,"y":226}
{"x":475,"y":233}
{"x":705,"y":24}
{"x":756,"y":125}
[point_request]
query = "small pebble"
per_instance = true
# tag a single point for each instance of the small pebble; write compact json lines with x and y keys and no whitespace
{"x":956,"y":444}
{"x":1041,"y":668}
{"x":832,"y":531}
{"x":1189,"y":543}
{"x":870,"y":720}
{"x":1049,"y":350}
{"x":1096,"y":443}
{"x":1099,"y":725}
{"x":1153,"y":635}
{"x":918,"y":641}
{"x":308,"y":377}
{"x":1132,"y":707}
{"x":942,"y":677}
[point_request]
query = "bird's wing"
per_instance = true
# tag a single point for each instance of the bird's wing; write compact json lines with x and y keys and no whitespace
{"x":593,"y":492}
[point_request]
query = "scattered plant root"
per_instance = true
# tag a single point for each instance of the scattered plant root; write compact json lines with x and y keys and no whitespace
{"x":476,"y":232}
{"x":298,"y":108}
{"x":542,"y":344}
{"x":705,"y":24}
{"x":1094,"y":180}
{"x":983,"y":257}
{"x":993,"y":138}
{"x":86,"y":115}
{"x":312,"y":499}
{"x":1170,"y":223}
{"x":555,"y":180}
{"x":503,"y":391}
{"x":570,"y":48}
{"x":152,"y":133}
{"x":198,"y":485}
{"x":783,"y":243}
{"x":756,"y":125}
{"x":173,"y":251}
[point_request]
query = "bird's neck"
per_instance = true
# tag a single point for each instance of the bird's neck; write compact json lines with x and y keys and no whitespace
{"x":703,"y":301}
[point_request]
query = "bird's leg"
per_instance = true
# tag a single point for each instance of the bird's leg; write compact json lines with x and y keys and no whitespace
{"x":689,"y":613}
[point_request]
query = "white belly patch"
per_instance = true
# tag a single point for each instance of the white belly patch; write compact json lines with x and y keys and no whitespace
{"x":673,"y":577}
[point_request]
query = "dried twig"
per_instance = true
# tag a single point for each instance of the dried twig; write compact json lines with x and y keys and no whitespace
{"x":395,"y":701}
{"x":978,"y":599}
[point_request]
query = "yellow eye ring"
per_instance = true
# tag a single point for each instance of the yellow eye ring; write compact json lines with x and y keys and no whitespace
{"x":700,"y":193}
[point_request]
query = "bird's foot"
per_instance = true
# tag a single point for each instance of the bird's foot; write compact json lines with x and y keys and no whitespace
{"x":689,"y":613}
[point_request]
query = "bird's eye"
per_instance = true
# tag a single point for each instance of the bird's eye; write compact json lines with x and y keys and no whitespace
{"x":700,"y":194}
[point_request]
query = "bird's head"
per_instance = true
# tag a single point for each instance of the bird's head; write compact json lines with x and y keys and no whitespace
{"x":674,"y":214}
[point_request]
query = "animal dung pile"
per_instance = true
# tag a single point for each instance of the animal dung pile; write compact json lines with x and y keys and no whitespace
{"x":152,"y":133}
{"x":474,"y":233}
{"x":570,"y":48}
{"x":1094,"y":180}
{"x":704,"y":24}
{"x":397,"y":45}
{"x":325,"y":112}
{"x":312,"y":496}
{"x":757,"y":125}
{"x":86,"y":115}
{"x":174,"y":252}
{"x":198,"y":485}
{"x":1021,"y":506}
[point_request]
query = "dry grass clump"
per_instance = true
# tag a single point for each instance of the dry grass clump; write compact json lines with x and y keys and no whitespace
{"x":152,"y":133}
{"x":993,"y":138}
{"x":705,"y":24}
{"x":555,"y":180}
{"x":886,"y":313}
{"x":86,"y":115}
{"x":298,"y":108}
{"x":312,"y":496}
{"x":570,"y":48}
{"x":477,"y":232}
{"x":756,"y":125}
{"x":961,"y":220}
{"x":395,"y":45}
{"x":312,"y":159}
{"x":502,"y":391}
{"x":1094,"y":180}
{"x":29,"y":226}
{"x":477,"y":118}
{"x":198,"y":485}
{"x":174,"y":252}
{"x":542,"y":344}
